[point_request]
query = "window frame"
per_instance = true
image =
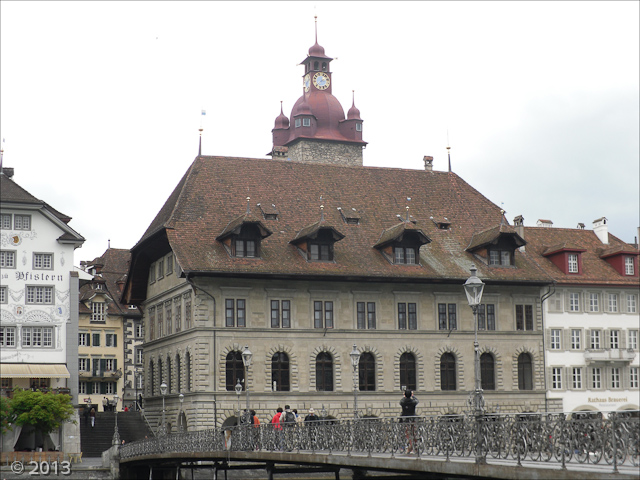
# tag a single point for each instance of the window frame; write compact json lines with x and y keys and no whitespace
{"x":629,"y":266}
{"x":574,"y":302}
{"x":576,"y":378}
{"x":6,"y":221}
{"x":4,"y":297}
{"x":633,"y":377}
{"x":594,"y":302}
{"x":408,"y":371}
{"x":323,"y":317}
{"x":447,"y":316}
{"x":278,"y":308}
{"x":596,"y":378}
{"x":632,"y":303}
{"x":367,"y":372}
{"x":486,"y":315}
{"x":573,"y":262}
{"x":324,"y":372}
{"x":98,"y":312}
{"x":556,"y":378}
{"x":400,"y":256}
{"x":595,"y":339}
{"x":525,"y":372}
{"x":632,"y":339}
{"x":448,"y":372}
{"x":8,"y":336}
{"x":40,"y":261}
{"x":407,"y":315}
{"x":556,"y":339}
{"x":576,"y":339}
{"x":48,"y":295}
{"x":235,"y":312}
{"x":281,"y":370}
{"x":35,"y":336}
{"x":366,"y":318}
{"x":524,"y":317}
{"x":6,"y":255}
{"x":612,"y":304}
{"x":487,"y":371}
{"x":21,"y":218}
{"x":615,"y":378}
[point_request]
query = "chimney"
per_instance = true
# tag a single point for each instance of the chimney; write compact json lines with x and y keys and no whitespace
{"x":8,"y":171}
{"x":428,"y":163}
{"x":518,"y":223}
{"x":580,"y":226}
{"x":601,"y":230}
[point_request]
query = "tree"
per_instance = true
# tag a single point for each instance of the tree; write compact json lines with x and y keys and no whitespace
{"x":6,"y":417}
{"x":44,"y":411}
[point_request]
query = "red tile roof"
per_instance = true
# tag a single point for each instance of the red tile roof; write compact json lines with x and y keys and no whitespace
{"x":213,"y":193}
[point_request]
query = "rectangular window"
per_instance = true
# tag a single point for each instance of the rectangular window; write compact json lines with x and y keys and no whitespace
{"x":614,"y":339}
{"x":524,"y":317}
{"x":22,"y":222}
{"x":366,"y":313}
{"x":486,"y":316}
{"x":139,"y":355}
{"x":505,"y":258}
{"x":39,"y":295}
{"x":628,"y":266}
{"x":615,"y":377}
{"x":298,"y":122}
{"x":633,"y":377}
{"x":167,"y":312}
{"x":632,"y":339}
{"x":160,"y":318}
{"x":37,"y":336}
{"x":322,"y":314}
{"x":177,"y":312}
{"x":3,"y":294}
{"x":7,"y":259}
{"x":152,"y":323}
{"x":43,"y":261}
{"x":494,"y":257}
{"x":82,"y":387}
{"x":84,"y":340}
{"x":631,"y":304}
{"x":111,"y":340}
{"x":613,"y":302}
{"x":169,"y":268}
{"x":187,"y":310}
{"x":152,"y":273}
{"x":98,"y":310}
{"x":594,"y":342}
{"x":574,"y":302}
{"x":556,"y":378}
{"x":83,"y":365}
{"x":5,"y":221}
{"x":306,"y":122}
{"x":555,"y":338}
{"x":7,"y":336}
{"x":573,"y":263}
{"x":447,"y":319}
{"x":596,"y":377}
{"x":235,"y":312}
{"x":576,"y":382}
{"x":95,"y":388}
{"x":593,"y":302}
{"x":139,"y":330}
{"x":358,"y":127}
{"x":110,"y":365}
{"x":280,"y":313}
{"x":576,"y":339}
{"x":160,"y":269}
{"x":110,"y":388}
{"x":407,"y":316}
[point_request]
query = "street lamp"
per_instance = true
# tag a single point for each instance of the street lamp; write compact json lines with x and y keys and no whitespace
{"x":181,"y":398}
{"x":247,"y":356}
{"x":163,"y":427}
{"x":474,"y":287}
{"x":116,"y":435}
{"x":238,"y":392}
{"x":355,"y":360}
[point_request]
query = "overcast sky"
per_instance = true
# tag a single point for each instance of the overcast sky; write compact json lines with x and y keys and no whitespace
{"x":539,"y":101}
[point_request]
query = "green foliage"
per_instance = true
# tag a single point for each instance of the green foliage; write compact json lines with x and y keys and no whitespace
{"x":6,"y":417}
{"x":44,"y":411}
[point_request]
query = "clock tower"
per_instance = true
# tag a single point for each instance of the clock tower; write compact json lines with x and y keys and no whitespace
{"x":319,"y":131}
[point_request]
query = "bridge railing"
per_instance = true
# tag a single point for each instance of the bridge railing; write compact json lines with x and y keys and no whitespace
{"x":583,"y":437}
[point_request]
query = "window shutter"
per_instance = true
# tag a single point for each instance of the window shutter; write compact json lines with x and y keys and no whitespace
{"x":586,"y":339}
{"x":566,"y":339}
{"x":549,"y":378}
{"x":95,"y":366}
{"x":622,"y":339}
{"x":115,"y":363}
{"x":103,"y":365}
{"x":547,"y":338}
{"x":115,"y":340}
{"x":103,"y":388}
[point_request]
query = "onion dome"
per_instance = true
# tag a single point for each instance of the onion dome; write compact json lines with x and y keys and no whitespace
{"x":317,"y":51}
{"x":303,"y":108}
{"x":281,"y":120}
{"x":353,"y":113}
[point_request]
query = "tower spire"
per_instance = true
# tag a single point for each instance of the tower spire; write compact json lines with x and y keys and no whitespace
{"x":315,"y":17}
{"x":204,"y":112}
{"x":448,"y":151}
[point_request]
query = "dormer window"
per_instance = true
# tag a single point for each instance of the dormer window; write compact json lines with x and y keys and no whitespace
{"x":298,"y":122}
{"x":243,"y":236}
{"x":316,"y":242}
{"x":358,"y":127}
{"x":500,"y":257}
{"x":497,"y":245}
{"x":404,"y":255}
{"x":573,"y":262}
{"x":629,"y":268}
{"x":306,"y":122}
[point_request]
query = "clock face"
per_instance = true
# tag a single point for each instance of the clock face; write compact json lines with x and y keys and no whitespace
{"x":306,"y":82}
{"x":321,"y":81}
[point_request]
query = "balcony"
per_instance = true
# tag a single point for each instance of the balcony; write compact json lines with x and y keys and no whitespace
{"x":102,"y":375}
{"x":610,"y":355}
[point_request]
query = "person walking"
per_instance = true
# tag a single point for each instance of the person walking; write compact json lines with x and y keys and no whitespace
{"x":277,"y":427}
{"x":408,"y":416}
{"x":92,"y":415}
{"x":288,"y":421}
{"x":256,"y":430}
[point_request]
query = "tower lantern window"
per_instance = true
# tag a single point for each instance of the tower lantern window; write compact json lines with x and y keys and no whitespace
{"x":315,"y":65}
{"x":324,"y":66}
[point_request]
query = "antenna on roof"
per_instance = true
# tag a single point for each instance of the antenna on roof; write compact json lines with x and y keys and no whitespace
{"x":448,"y":151}
{"x":108,"y":244}
{"x":204,"y":112}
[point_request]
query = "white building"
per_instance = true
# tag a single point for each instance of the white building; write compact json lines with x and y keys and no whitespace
{"x":38,"y":294}
{"x":591,"y":316}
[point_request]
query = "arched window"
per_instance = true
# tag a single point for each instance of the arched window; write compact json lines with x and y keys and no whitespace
{"x":280,"y":372}
{"x":525,"y":372}
{"x":324,"y":372}
{"x":316,"y":65}
{"x":187,"y":369}
{"x":168,"y":380}
{"x":235,"y":370}
{"x":160,"y":378}
{"x":178,"y":374}
{"x":152,"y":380}
{"x":367,"y":372}
{"x":324,"y":66}
{"x":487,"y":372}
{"x":447,"y":371}
{"x":408,"y":371}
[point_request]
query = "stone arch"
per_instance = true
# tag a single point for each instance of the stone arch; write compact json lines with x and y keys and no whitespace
{"x":419,"y":367}
{"x":178,"y":360}
{"x":293,"y":365}
{"x":459,"y":366}
{"x":498,"y":365}
{"x":379,"y":365}
{"x":222,"y":362}
{"x":337,"y":366}
{"x":535,"y":367}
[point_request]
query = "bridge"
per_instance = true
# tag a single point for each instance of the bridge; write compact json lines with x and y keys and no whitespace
{"x":498,"y":446}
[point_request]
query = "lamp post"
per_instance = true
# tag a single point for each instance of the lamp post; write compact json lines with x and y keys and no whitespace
{"x":181,"y":398}
{"x":163,"y":427}
{"x":355,"y":360}
{"x":474,"y":287}
{"x":238,"y":388}
{"x":136,"y":376}
{"x":247,"y":356}
{"x":116,"y":435}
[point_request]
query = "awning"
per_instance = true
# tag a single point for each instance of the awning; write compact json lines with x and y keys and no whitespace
{"x":33,"y":370}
